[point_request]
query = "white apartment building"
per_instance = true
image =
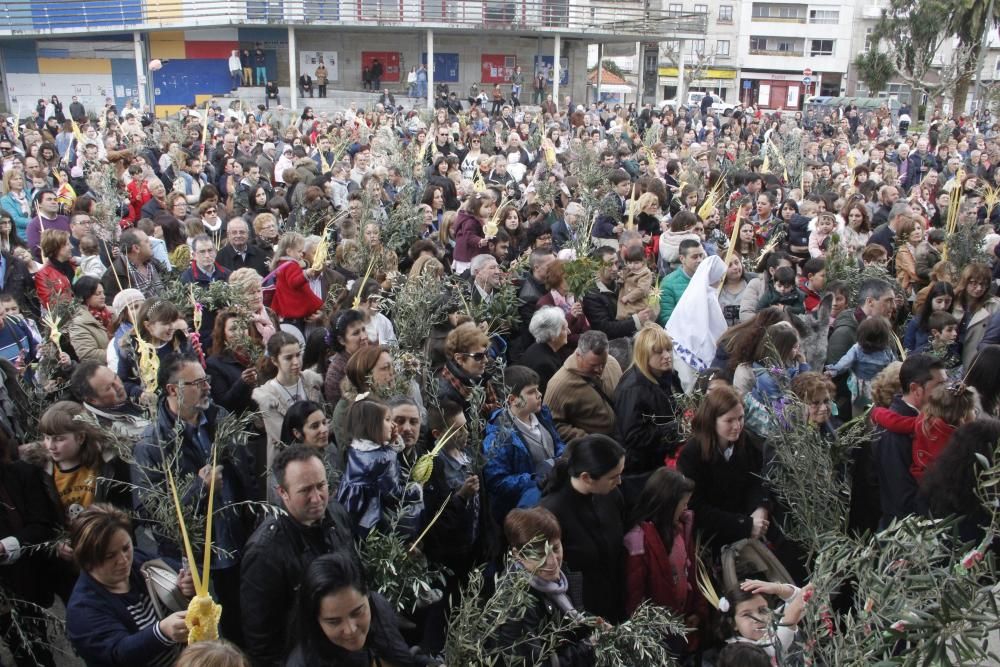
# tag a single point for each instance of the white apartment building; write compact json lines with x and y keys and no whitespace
{"x":710,"y":61}
{"x":779,"y":42}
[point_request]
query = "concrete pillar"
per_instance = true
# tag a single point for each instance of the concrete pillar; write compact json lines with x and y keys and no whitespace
{"x":293,"y":75}
{"x":430,"y":69}
{"x":639,"y":62}
{"x":600,"y":68}
{"x":555,"y":71}
{"x":140,"y":69}
{"x":681,"y":94}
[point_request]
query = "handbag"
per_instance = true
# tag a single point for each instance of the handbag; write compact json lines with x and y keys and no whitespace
{"x":161,"y":584}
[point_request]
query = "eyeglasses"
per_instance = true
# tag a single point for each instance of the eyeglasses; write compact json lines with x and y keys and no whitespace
{"x":200,"y":382}
{"x":475,"y":356}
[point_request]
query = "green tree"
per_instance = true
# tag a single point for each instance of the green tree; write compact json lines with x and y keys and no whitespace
{"x":612,"y":66}
{"x":915,"y":33}
{"x":875,"y":69}
{"x":971,"y":21}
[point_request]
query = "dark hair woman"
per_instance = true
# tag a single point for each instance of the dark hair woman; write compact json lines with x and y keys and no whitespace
{"x":949,"y":485}
{"x":157,"y":324}
{"x":582,"y":492}
{"x":984,"y":377}
{"x":661,"y":561}
{"x":347,"y":336}
{"x":90,"y":329}
{"x":229,"y":364}
{"x":340,"y":622}
{"x":940,"y":297}
{"x":729,"y":501}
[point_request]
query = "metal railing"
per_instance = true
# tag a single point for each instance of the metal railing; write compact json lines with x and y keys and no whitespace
{"x":24,"y":18}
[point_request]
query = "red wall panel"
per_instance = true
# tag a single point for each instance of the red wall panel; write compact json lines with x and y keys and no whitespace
{"x":209,"y":49}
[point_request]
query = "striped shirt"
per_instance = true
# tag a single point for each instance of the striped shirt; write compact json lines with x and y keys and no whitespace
{"x":140,"y":608}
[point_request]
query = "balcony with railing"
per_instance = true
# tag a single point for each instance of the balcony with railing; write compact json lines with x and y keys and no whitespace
{"x":611,"y":20}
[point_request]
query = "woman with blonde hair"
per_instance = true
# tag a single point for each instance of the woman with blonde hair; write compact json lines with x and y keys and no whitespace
{"x":248,"y":283}
{"x":644,"y":402}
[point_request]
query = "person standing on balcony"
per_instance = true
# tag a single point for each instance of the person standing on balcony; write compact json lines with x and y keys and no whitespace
{"x":260,"y":65}
{"x":246,"y":62}
{"x":411,"y":83}
{"x":321,"y":77}
{"x":539,"y":87}
{"x":235,"y":69}
{"x":376,"y":74}
{"x":421,"y":82}
{"x":517,"y":82}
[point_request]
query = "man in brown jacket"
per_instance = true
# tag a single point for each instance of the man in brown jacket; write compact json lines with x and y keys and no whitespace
{"x":580,"y":394}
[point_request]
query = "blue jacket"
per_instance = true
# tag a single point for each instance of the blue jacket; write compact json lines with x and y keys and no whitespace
{"x":101,"y":629}
{"x":510,"y":474}
{"x":914,"y":337}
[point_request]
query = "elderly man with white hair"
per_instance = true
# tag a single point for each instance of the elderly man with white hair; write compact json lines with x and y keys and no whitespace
{"x":486,"y":277}
{"x":547,"y":354}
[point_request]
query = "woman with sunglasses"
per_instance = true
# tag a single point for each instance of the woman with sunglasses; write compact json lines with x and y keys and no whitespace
{"x":470,"y":160}
{"x":466,"y":353}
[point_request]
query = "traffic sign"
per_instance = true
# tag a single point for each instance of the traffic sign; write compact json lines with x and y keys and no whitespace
{"x":806,"y":80}
{"x":747,"y":84}
{"x":807,"y":72}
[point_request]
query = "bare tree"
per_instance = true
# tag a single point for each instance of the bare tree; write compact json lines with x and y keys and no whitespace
{"x":695,"y":65}
{"x":915,"y":33}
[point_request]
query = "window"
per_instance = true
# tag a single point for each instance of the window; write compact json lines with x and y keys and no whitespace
{"x":758,"y":44}
{"x":821,"y":47}
{"x":869,"y":39}
{"x":824,"y":16}
{"x":701,"y":9}
{"x":696,"y":46}
{"x":725,"y":13}
{"x":785,"y":47}
{"x":722,"y":48}
{"x":675,"y":9}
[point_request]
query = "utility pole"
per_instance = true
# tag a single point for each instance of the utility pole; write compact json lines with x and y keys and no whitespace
{"x":982,"y":57}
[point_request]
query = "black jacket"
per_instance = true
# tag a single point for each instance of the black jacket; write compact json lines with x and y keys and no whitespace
{"x":542,"y":359}
{"x":893,"y":458}
{"x":593,"y":533}
{"x":384,"y":643}
{"x":18,"y":282}
{"x":30,"y":514}
{"x":228,"y":388}
{"x":645,"y":419}
{"x":521,"y":632}
{"x":725,"y":492}
{"x":255,"y":258}
{"x":600,"y":308}
{"x":276,"y":556}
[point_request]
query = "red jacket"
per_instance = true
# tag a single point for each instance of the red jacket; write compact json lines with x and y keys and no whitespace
{"x":667,"y":579}
{"x":293,"y":298}
{"x":929,"y":437}
{"x":468,"y":234}
{"x":50,"y":281}
{"x":812,"y":296}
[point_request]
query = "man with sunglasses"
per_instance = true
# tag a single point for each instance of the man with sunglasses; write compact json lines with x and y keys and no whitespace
{"x":185,"y":432}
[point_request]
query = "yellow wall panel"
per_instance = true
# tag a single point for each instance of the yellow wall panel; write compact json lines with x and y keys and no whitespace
{"x":74,"y":66}
{"x":167,"y":44}
{"x":166,"y":50}
{"x":165,"y":110}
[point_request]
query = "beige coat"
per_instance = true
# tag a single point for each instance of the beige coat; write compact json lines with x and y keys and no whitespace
{"x":88,"y":337}
{"x":273,"y":402}
{"x":577,"y":408}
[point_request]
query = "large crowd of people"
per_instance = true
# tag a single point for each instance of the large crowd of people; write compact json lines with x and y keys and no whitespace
{"x":587,"y":319}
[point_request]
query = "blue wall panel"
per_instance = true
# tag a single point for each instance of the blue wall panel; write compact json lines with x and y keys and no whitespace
{"x":56,"y":14}
{"x":123,"y":75}
{"x":445,"y":66}
{"x":180,"y":80}
{"x":20,"y":57}
{"x":267,"y":36}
